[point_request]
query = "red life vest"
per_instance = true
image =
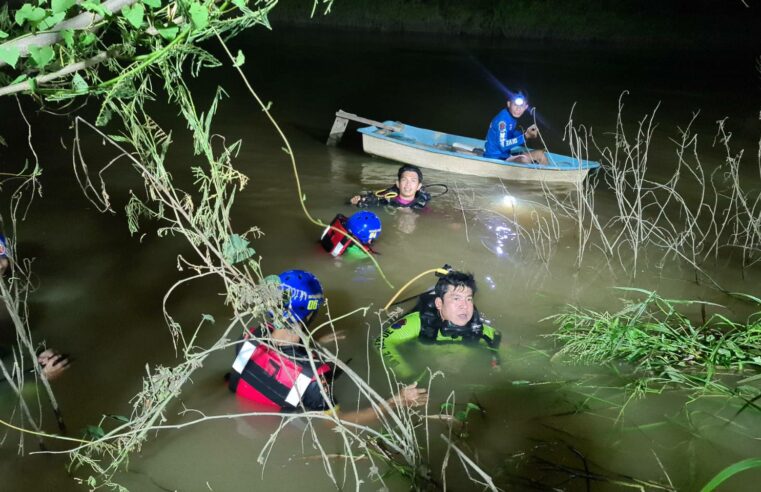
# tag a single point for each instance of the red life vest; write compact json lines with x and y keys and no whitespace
{"x":282,"y":380}
{"x":336,"y":242}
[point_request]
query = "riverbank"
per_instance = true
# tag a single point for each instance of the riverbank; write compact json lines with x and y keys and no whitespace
{"x":676,"y":23}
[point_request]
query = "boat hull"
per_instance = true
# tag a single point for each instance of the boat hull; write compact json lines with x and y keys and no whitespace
{"x":427,"y":149}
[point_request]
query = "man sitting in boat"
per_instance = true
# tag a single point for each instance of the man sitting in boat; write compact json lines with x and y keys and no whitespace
{"x":273,"y":368}
{"x":445,"y":315}
{"x":505,"y":140}
{"x":407,"y":192}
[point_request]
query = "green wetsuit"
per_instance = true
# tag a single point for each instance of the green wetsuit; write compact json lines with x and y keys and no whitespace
{"x":411,"y":327}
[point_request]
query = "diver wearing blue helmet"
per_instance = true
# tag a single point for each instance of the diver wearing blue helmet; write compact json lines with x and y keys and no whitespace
{"x":5,"y":261}
{"x":273,"y":367}
{"x":505,"y":140}
{"x":364,"y":226}
{"x":303,"y":295}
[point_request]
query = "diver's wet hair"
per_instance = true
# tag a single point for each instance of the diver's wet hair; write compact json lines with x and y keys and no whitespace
{"x":455,"y":279}
{"x":410,"y":168}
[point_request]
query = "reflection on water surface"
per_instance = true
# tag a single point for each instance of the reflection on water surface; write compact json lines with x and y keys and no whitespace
{"x":542,"y":422}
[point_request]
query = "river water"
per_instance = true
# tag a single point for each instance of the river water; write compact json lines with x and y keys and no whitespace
{"x":99,"y":290}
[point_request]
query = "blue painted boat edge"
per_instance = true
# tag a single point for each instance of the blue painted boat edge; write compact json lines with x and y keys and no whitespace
{"x":425,"y":135}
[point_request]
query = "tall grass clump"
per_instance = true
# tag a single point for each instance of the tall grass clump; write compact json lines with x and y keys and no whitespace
{"x":662,"y":346}
{"x":700,"y":213}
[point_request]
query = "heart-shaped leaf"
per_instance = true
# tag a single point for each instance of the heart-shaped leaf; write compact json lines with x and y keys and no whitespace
{"x":29,"y":13}
{"x":41,"y":55}
{"x":199,"y":16}
{"x":79,"y":83}
{"x":134,"y":14}
{"x":95,"y":6}
{"x":68,"y":37}
{"x":51,"y":21}
{"x":61,"y":5}
{"x":240,"y":59}
{"x":168,"y":33}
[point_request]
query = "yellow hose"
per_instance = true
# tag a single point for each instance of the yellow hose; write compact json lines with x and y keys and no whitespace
{"x":432,"y":270}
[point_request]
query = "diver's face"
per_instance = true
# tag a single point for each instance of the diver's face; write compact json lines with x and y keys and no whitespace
{"x":456,"y":306}
{"x":516,"y":110}
{"x":408,"y":185}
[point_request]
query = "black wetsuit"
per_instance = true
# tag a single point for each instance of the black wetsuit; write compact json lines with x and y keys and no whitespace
{"x":389,"y":197}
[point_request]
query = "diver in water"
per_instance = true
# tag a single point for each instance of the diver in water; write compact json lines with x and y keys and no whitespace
{"x":364,"y":226}
{"x":407,"y":192}
{"x":445,"y":315}
{"x":51,"y":362}
{"x":273,"y":368}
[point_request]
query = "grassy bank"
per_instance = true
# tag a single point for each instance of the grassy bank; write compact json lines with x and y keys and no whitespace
{"x":696,"y":23}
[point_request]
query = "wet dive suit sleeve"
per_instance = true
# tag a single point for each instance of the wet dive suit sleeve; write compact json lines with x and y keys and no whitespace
{"x":378,"y":198}
{"x":388,"y":197}
{"x":393,"y":337}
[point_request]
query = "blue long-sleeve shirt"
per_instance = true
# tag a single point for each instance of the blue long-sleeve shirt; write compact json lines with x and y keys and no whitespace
{"x":502,"y":136}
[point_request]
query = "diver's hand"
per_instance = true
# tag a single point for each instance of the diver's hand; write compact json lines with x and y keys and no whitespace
{"x":332,"y":337}
{"x":496,"y":364}
{"x":521,"y":158}
{"x":284,"y":336}
{"x":410,"y":396}
{"x":532,"y":131}
{"x":53,"y":364}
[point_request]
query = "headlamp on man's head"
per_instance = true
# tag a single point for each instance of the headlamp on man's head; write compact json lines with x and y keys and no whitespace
{"x":519,"y":99}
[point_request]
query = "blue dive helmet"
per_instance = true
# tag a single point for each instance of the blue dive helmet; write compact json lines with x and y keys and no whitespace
{"x":304,"y":295}
{"x":3,"y":247}
{"x":365,"y":226}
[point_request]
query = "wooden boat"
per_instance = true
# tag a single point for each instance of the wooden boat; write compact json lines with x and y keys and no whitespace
{"x":442,"y":151}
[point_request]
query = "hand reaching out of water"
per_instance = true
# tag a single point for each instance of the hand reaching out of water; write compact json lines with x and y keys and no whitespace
{"x":332,"y":337}
{"x":410,"y":396}
{"x":285,"y":336}
{"x":53,"y":364}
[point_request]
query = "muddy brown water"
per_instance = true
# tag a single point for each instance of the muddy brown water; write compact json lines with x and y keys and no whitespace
{"x":99,"y":290}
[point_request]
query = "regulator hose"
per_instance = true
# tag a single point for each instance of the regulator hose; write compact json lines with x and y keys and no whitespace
{"x":438,"y":271}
